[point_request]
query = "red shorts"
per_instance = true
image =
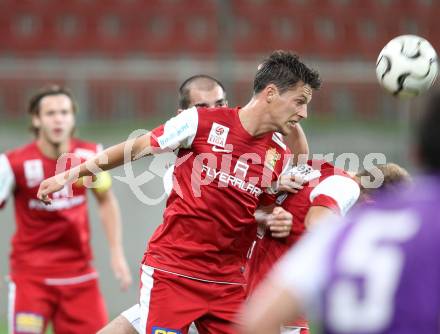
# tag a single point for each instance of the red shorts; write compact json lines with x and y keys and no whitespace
{"x":170,"y":303}
{"x":72,"y":305}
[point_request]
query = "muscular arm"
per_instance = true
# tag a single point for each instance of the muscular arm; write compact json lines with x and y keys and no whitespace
{"x":297,"y":142}
{"x":111,"y":221}
{"x":317,"y":213}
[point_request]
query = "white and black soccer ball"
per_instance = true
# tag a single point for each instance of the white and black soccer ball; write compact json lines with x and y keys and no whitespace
{"x":407,"y":66}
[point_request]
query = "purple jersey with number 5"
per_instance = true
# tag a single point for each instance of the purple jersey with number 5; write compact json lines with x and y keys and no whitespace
{"x":384,"y":266}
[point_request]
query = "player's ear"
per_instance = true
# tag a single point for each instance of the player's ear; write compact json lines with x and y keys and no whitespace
{"x":271,"y":91}
{"x":36,"y":123}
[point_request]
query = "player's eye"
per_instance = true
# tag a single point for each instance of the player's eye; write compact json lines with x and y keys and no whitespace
{"x":201,"y":105}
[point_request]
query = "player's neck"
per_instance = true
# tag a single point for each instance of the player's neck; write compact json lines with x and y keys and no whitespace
{"x":255,"y":119}
{"x":51,"y":150}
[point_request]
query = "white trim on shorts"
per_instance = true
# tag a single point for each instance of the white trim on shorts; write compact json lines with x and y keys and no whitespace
{"x":133,"y":316}
{"x":71,"y":280}
{"x":191,"y":277}
{"x":145,"y":296}
{"x":11,"y":306}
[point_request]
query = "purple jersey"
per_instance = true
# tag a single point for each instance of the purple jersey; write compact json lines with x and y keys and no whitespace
{"x":378,"y":271}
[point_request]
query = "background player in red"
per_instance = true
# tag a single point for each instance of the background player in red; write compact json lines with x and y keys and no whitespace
{"x":327,"y":190}
{"x":194,"y":264}
{"x":51,"y":275}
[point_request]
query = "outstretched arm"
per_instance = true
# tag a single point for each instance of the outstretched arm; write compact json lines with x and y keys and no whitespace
{"x":111,"y":157}
{"x":177,"y":132}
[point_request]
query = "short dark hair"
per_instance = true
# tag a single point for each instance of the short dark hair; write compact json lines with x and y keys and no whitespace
{"x":284,"y":70}
{"x":184,"y":98}
{"x":428,"y":135}
{"x":51,"y":90}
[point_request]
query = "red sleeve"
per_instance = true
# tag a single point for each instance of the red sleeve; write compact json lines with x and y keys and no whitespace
{"x":326,"y":201}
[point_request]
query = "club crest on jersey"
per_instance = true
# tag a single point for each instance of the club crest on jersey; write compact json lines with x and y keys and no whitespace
{"x":272,"y":156}
{"x":162,"y":330}
{"x":218,"y":134}
{"x":33,"y":172}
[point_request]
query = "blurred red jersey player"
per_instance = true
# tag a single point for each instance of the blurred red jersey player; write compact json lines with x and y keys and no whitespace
{"x":327,"y":190}
{"x":51,"y":275}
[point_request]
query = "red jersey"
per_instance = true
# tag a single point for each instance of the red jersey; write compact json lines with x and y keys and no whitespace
{"x":331,"y":187}
{"x":219,"y":178}
{"x":53,"y":240}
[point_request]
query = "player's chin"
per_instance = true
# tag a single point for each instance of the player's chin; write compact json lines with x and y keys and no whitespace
{"x":58,"y":139}
{"x":286,"y":129}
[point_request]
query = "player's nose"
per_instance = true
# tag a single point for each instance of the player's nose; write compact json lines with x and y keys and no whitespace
{"x":303,"y":112}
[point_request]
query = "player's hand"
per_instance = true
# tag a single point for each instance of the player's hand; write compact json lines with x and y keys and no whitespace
{"x":50,"y":186}
{"x":279,"y":222}
{"x":120,"y":270}
{"x":290,"y":183}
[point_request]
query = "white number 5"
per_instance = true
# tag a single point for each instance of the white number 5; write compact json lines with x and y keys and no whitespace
{"x":361,"y":298}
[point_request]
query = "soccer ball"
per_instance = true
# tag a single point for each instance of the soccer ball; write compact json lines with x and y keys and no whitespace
{"x":407,"y":66}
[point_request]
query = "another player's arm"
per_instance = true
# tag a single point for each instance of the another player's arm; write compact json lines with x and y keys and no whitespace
{"x":7,"y":180}
{"x":110,"y":217}
{"x":294,"y":284}
{"x":317,"y":213}
{"x":335,"y":195}
{"x":278,"y":220}
{"x":297,"y":142}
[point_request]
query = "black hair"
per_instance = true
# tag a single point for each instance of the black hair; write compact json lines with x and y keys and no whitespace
{"x":284,"y":70}
{"x":184,"y":98}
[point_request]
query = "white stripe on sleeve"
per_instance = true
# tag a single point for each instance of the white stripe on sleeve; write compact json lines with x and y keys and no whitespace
{"x":7,"y":178}
{"x":344,"y":190}
{"x":180,"y":130}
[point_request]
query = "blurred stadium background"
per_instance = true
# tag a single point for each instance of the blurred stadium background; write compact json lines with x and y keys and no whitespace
{"x":124,"y":60}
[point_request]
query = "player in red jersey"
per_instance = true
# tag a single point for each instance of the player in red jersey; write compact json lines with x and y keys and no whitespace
{"x":327,"y":190}
{"x":200,"y":91}
{"x":51,"y":275}
{"x":228,"y":158}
